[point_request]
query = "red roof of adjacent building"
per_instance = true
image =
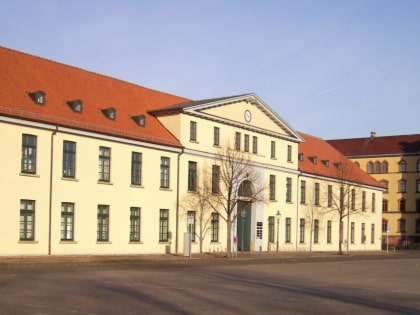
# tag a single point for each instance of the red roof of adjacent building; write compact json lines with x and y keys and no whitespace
{"x":373,"y":145}
{"x":317,"y":157}
{"x":22,"y":73}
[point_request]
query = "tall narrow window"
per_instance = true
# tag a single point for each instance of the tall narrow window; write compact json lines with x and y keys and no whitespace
{"x":401,"y":205}
{"x":67,"y":221}
{"x":363,"y":201}
{"x":215,"y":179}
{"x":418,"y":166}
{"x":191,"y":226}
{"x":418,"y":185}
{"x":316,"y":231}
{"x":401,"y":225}
{"x":289,"y":153}
{"x":352,"y":232}
{"x":402,"y":184}
{"x":288,"y":230}
{"x":317,"y":194}
{"x":216,"y":136}
{"x":288,"y":189}
{"x":192,"y":176}
{"x":302,"y":231}
{"x":369,"y":167}
{"x":104,"y":164}
{"x":214,"y":227}
{"x":136,"y":161}
{"x":418,"y":205}
{"x":27,"y":220}
{"x":384,"y":225}
{"x":271,"y":227}
{"x":69,"y":159}
{"x":402,"y":166}
{"x":254,"y":145}
{"x":164,"y":172}
{"x":28,"y":160}
{"x":272,"y":189}
{"x":372,"y":233}
{"x":193,"y":131}
{"x":384,"y":205}
{"x":273,"y":150}
{"x":330,"y":196}
{"x":237,"y":141}
{"x":363,"y":234}
{"x":103,"y":223}
{"x":246,"y":143}
{"x":417,"y":226}
{"x":135,"y":224}
{"x":377,"y":167}
{"x":373,"y":202}
{"x":353,"y":200}
{"x":384,"y":167}
{"x":302,"y":192}
{"x":329,"y":230}
{"x":163,"y":225}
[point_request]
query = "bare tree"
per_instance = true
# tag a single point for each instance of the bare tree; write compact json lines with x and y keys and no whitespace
{"x":237,"y":181}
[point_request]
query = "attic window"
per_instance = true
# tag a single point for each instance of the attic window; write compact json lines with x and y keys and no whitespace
{"x":338,"y":165}
{"x":139,"y":120}
{"x":313,"y":159}
{"x":109,"y":113}
{"x":300,"y":156}
{"x":326,"y":162}
{"x":38,"y":97}
{"x":76,"y":105}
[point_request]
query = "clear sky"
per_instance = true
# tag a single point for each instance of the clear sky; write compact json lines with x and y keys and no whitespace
{"x":333,"y":69}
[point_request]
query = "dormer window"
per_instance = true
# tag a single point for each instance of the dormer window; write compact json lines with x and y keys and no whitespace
{"x":109,"y":113}
{"x":326,"y":162}
{"x":139,"y":120}
{"x":38,"y":97}
{"x":76,"y":105}
{"x":300,"y":156}
{"x":338,"y":165}
{"x":313,"y":159}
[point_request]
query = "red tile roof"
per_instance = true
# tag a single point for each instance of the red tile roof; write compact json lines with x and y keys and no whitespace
{"x":377,"y":146}
{"x":22,"y":73}
{"x":322,"y":159}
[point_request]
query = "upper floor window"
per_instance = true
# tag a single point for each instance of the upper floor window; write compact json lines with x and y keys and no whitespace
{"x":273,"y":150}
{"x":384,"y":225}
{"x":384,"y":167}
{"x":164,"y":172}
{"x":104,"y":164}
{"x":418,"y":166}
{"x":246,"y":143}
{"x":289,"y":153}
{"x":192,"y":176}
{"x":330,"y":196}
{"x":402,"y":184}
{"x":385,"y":185}
{"x":69,"y":159}
{"x":373,"y":202}
{"x":237,"y":141}
{"x":363,"y":200}
{"x":353,"y":199}
{"x":401,"y":225}
{"x":28,"y":159}
{"x":254,"y":145}
{"x":193,"y":131}
{"x":215,"y":179}
{"x":418,"y":205}
{"x":272,"y":189}
{"x":402,"y":166}
{"x":216,"y":136}
{"x":401,"y":205}
{"x":369,"y":167}
{"x":302,"y":192}
{"x":384,"y":205}
{"x":377,"y":167}
{"x":418,"y":185}
{"x":317,"y":194}
{"x":288,"y":189}
{"x":136,"y":162}
{"x":38,"y":97}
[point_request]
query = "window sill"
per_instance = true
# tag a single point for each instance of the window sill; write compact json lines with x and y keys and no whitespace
{"x":165,"y":189}
{"x":136,"y":186}
{"x":30,"y":175}
{"x":104,"y":183}
{"x":135,"y":242}
{"x":68,"y":242}
{"x":27,"y":242}
{"x":103,"y":242}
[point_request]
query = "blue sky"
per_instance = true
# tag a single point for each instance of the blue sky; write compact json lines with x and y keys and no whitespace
{"x":334,"y":69}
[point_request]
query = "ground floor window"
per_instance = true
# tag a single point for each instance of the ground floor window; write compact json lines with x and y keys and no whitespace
{"x":329,"y":230}
{"x":288,"y":230}
{"x":214,"y":227}
{"x":67,"y":221}
{"x":134,"y":224}
{"x":191,"y":224}
{"x":316,"y":231}
{"x":271,"y":229}
{"x":163,"y":225}
{"x":103,"y":223}
{"x":27,"y":220}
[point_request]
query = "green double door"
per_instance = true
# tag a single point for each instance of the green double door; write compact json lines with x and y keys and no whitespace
{"x":243,"y":226}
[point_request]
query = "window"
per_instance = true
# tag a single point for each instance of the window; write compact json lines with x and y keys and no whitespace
{"x":140,"y":120}
{"x":237,"y":141}
{"x":163,"y":225}
{"x":289,"y":153}
{"x":216,"y":136}
{"x":214,"y":227}
{"x":316,"y":231}
{"x":353,"y":200}
{"x":273,"y":150}
{"x":372,"y":233}
{"x":103,"y":223}
{"x":418,"y":185}
{"x":418,"y":226}
{"x":384,"y":167}
{"x":341,"y":198}
{"x":136,"y":161}
{"x":363,"y":201}
{"x":28,"y":160}
{"x":401,"y":225}
{"x":191,"y":226}
{"x":329,"y":201}
{"x":38,"y":97}
{"x":377,"y":167}
{"x":329,"y":230}
{"x":272,"y":189}
{"x":67,"y":221}
{"x":363,"y":235}
{"x":27,"y":220}
{"x":384,"y":225}
{"x":302,"y":231}
{"x":316,"y":194}
{"x":164,"y":172}
{"x":417,"y":205}
{"x":193,"y":131}
{"x":384,"y":205}
{"x":135,"y":224}
{"x":254,"y":145}
{"x":401,"y":205}
{"x":246,"y":143}
{"x":215,"y":179}
{"x":418,"y":166}
{"x":352,"y":232}
{"x":402,"y":184}
{"x":384,"y":184}
{"x":271,"y":227}
{"x":104,"y":164}
{"x":288,"y":230}
{"x":369,"y":168}
{"x":69,"y":159}
{"x":288,"y":189}
{"x":373,"y":202}
{"x":402,"y":165}
{"x":302,"y":192}
{"x":192,"y":176}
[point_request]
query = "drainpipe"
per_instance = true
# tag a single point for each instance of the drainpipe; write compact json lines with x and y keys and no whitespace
{"x":178,"y":178}
{"x":51,"y":188}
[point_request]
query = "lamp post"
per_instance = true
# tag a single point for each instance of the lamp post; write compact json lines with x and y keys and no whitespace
{"x":278,"y":215}
{"x":243,"y":215}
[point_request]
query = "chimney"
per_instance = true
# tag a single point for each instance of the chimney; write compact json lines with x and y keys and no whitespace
{"x":372,"y":135}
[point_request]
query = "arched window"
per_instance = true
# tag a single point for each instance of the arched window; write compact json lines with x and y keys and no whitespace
{"x":402,"y":186}
{"x":377,"y":167}
{"x":401,"y":205}
{"x":384,"y":225}
{"x":385,"y":184}
{"x":369,"y":167}
{"x":384,"y":205}
{"x":384,"y":167}
{"x":402,"y":166}
{"x":401,"y":225}
{"x":357,"y":164}
{"x":245,"y":189}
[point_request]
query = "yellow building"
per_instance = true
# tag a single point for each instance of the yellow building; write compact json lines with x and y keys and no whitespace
{"x":395,"y":162}
{"x":95,"y":165}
